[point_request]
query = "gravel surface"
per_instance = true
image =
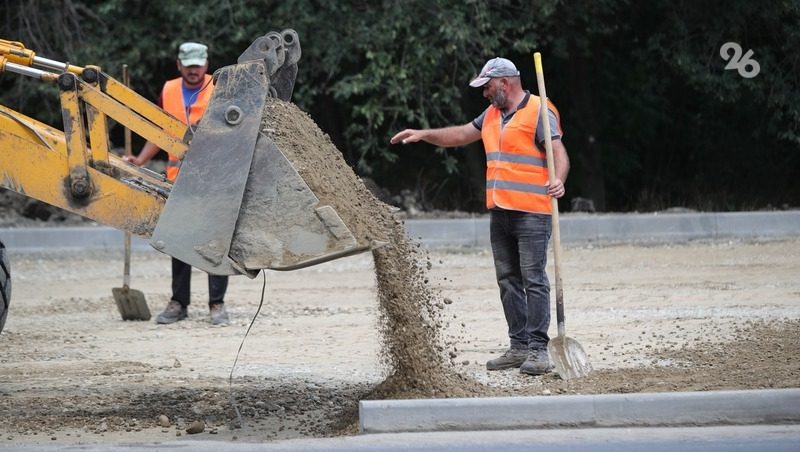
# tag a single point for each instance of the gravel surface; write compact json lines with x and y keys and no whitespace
{"x":689,"y":317}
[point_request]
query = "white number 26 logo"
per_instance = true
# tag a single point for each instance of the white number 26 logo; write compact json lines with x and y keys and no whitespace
{"x":739,"y":62}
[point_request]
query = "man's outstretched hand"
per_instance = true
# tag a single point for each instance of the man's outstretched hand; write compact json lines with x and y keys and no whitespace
{"x":407,"y":136}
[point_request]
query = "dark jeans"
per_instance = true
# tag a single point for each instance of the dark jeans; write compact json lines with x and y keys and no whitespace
{"x":182,"y":282}
{"x":519,"y":245}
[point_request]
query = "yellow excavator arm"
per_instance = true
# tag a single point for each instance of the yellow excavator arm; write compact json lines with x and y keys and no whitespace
{"x":228,"y":163}
{"x":73,"y":169}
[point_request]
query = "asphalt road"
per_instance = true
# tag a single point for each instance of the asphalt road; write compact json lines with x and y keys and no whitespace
{"x":684,"y":439}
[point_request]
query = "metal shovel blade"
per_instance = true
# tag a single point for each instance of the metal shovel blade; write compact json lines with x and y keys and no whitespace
{"x":569,"y":358}
{"x":131,"y":303}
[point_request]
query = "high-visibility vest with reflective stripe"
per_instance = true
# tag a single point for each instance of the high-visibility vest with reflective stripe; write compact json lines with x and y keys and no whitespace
{"x":172,"y":100}
{"x":516,"y":170}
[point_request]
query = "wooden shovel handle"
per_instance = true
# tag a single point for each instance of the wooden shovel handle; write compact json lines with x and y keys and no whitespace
{"x":126,"y":272}
{"x":551,"y":172}
{"x":126,"y":80}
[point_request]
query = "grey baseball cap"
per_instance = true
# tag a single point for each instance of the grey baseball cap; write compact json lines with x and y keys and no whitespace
{"x":193,"y":54}
{"x":496,"y":67}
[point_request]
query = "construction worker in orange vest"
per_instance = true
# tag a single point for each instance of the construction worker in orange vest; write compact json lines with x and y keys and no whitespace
{"x":518,"y":196}
{"x":186,"y":98}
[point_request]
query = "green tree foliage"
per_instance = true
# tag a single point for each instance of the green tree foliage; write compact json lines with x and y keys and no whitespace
{"x":651,"y":117}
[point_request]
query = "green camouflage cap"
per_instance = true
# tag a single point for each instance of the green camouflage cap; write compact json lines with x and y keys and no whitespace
{"x":193,"y":54}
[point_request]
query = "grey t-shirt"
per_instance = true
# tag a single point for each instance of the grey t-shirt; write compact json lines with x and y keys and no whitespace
{"x":554,"y":135}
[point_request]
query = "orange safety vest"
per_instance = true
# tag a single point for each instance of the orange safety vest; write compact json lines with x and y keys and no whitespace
{"x":516,"y":170}
{"x":172,"y":100}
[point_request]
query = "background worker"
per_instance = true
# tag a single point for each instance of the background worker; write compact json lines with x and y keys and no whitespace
{"x":186,"y":98}
{"x":518,"y":195}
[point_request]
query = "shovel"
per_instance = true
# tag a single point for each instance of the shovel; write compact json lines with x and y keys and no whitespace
{"x":130,"y":302}
{"x":567,"y":354}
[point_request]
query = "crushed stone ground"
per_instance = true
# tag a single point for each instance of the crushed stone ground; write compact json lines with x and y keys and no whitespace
{"x":692,"y":317}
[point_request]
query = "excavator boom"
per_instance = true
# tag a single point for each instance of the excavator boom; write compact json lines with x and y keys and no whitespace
{"x":238,"y":205}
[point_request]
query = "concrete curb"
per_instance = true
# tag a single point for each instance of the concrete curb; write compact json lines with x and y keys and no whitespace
{"x":773,"y":406}
{"x":653,"y":227}
{"x":474,"y":232}
{"x":68,"y":238}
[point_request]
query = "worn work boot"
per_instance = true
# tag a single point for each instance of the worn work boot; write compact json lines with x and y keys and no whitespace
{"x":513,"y":357}
{"x":172,"y":313}
{"x":538,"y":363}
{"x":219,"y":316}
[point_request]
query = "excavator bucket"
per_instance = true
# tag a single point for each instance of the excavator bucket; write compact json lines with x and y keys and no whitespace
{"x":247,"y":205}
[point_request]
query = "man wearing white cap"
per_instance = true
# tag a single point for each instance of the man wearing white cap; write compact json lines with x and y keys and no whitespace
{"x":186,"y":98}
{"x":518,"y":196}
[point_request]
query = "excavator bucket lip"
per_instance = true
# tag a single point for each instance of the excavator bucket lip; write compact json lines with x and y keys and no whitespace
{"x":375,"y":244}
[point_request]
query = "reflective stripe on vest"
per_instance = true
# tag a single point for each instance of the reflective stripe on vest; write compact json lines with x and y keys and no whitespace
{"x":517,"y":186}
{"x":504,"y":157}
{"x":516,"y":170}
{"x":172,"y":100}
